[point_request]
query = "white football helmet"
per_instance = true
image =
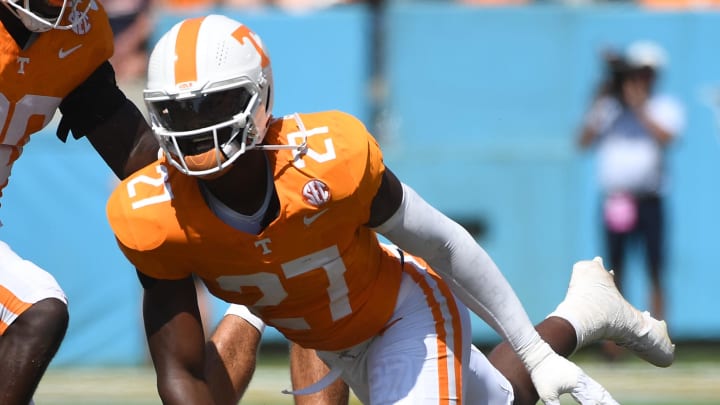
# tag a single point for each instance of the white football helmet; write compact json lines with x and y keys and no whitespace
{"x":44,"y":15}
{"x":209,"y":94}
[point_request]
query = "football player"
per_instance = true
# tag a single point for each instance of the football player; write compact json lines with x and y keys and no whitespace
{"x":280,"y":215}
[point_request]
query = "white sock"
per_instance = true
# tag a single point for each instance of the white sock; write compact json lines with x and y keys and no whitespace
{"x":561,"y":312}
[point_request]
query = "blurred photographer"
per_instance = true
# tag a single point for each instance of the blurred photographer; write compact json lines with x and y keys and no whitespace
{"x":631,"y":127}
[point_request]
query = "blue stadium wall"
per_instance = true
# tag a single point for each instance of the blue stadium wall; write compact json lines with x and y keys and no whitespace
{"x":481,"y":114}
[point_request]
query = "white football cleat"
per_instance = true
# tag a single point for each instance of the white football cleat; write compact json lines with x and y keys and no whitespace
{"x":597,"y":310}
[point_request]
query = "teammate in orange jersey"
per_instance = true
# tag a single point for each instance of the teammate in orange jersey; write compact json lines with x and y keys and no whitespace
{"x":281,"y":215}
{"x":54,"y":55}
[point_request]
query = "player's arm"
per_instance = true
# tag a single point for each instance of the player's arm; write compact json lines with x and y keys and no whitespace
{"x":175,"y":339}
{"x":306,"y":369}
{"x":231,"y":355}
{"x":418,"y":228}
{"x":99,"y":110}
{"x":401,"y":215}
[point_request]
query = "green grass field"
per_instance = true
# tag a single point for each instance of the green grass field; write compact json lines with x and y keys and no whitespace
{"x":694,"y":379}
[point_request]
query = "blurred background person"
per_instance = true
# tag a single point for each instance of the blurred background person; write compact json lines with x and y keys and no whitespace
{"x":631,"y":125}
{"x":131,"y":24}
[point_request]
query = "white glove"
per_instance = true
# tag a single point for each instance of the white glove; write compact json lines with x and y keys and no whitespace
{"x":554,"y":375}
{"x":557,"y":375}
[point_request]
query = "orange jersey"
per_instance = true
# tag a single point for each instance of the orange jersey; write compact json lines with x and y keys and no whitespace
{"x":316,"y":273}
{"x":33,"y":81}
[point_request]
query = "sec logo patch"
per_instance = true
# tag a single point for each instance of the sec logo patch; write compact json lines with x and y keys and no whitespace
{"x":316,"y":193}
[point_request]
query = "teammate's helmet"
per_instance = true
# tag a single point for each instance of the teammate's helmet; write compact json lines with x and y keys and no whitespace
{"x":44,"y":15}
{"x":209,"y":93}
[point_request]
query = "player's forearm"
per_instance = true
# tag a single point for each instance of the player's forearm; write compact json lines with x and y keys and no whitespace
{"x":125,"y":141}
{"x":176,"y":340}
{"x":230,"y":358}
{"x":99,"y":110}
{"x":306,"y":369}
{"x":180,"y":373}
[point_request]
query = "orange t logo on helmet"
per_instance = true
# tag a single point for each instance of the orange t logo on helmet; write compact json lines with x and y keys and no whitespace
{"x":244,"y":32}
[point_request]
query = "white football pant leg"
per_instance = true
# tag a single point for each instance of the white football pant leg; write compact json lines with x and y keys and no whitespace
{"x":423,"y":355}
{"x":22,"y":283}
{"x":486,"y":385}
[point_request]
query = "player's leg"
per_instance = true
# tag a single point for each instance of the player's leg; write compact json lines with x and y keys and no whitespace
{"x":28,"y":346}
{"x":231,"y":358}
{"x":422,"y":355}
{"x":593,"y":310}
{"x":306,"y":368}
{"x":231,"y":354}
{"x":33,"y":321}
{"x":598,"y":311}
{"x":486,"y":383}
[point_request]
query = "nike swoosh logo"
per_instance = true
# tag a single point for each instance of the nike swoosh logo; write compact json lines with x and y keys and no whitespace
{"x":307,"y":220}
{"x":62,"y":54}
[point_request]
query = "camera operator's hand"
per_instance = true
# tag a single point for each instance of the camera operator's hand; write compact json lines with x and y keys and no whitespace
{"x":635,"y":93}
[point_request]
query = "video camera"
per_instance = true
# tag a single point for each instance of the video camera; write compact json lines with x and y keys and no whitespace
{"x":617,"y":70}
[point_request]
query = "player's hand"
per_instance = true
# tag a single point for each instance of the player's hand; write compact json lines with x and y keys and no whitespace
{"x":555,"y":376}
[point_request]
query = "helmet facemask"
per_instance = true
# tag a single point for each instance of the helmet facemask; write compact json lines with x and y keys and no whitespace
{"x":45,"y":15}
{"x":204,"y":132}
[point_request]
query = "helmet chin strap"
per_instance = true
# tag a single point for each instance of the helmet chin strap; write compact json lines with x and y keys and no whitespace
{"x":298,"y":149}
